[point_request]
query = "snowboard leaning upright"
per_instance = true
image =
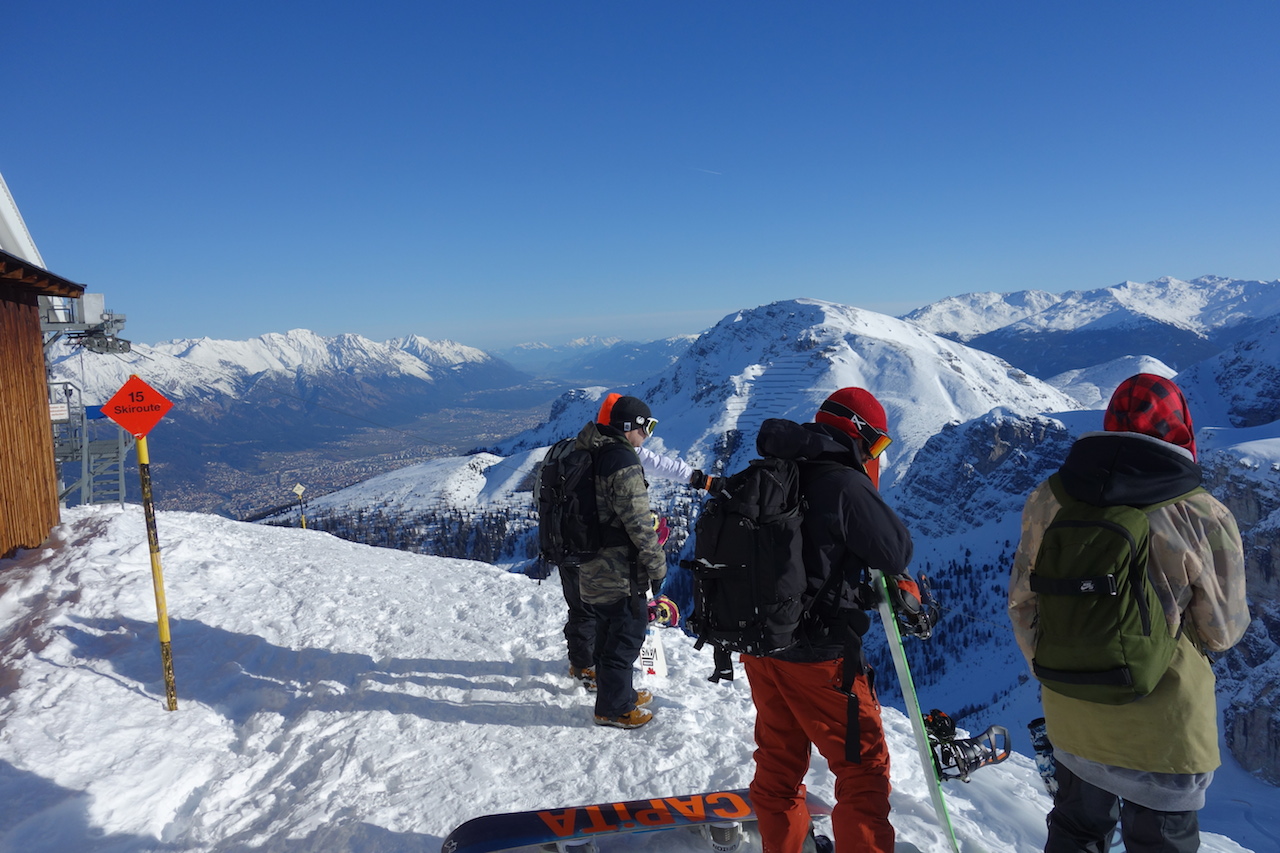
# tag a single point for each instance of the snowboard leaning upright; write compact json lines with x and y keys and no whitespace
{"x":494,"y":833}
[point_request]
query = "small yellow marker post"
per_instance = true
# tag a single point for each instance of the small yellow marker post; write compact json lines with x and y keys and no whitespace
{"x":302,"y":507}
{"x":137,"y":407}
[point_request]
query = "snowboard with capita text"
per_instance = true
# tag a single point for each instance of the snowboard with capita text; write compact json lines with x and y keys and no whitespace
{"x":532,"y":829}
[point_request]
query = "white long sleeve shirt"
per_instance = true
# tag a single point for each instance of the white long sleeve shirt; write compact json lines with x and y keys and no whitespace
{"x":667,"y":467}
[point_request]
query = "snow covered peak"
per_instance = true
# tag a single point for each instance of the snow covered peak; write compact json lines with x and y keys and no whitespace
{"x":965,"y":317}
{"x":784,"y":358}
{"x":439,"y":353}
{"x":1092,"y":387}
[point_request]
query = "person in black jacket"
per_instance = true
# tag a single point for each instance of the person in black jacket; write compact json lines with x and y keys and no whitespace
{"x":800,"y":693}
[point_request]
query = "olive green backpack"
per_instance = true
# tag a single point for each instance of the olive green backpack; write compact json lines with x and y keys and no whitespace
{"x":1102,"y":634}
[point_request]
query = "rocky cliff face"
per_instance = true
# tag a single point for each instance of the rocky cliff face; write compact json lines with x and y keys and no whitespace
{"x":1250,"y":673}
{"x":971,"y":474}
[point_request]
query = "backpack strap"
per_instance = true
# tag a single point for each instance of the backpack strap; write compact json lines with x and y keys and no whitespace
{"x":853,"y":663}
{"x":839,"y":620}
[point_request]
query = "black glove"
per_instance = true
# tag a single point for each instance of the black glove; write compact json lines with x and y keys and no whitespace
{"x":913,"y":616}
{"x":656,"y":588}
{"x":700,"y":480}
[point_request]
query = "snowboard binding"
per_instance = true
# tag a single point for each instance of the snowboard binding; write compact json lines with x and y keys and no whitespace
{"x":956,"y":758}
{"x":664,"y":612}
{"x":917,"y":622}
{"x":725,"y":837}
{"x":576,"y":846}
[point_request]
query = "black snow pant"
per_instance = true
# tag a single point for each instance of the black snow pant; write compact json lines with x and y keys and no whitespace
{"x":1084,"y":817}
{"x":620,"y":628}
{"x":580,"y":629}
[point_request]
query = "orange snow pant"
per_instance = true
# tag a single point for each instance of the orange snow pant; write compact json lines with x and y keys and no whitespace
{"x":798,"y":706}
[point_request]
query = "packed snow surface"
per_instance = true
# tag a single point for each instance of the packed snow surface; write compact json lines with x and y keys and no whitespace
{"x":338,"y":697}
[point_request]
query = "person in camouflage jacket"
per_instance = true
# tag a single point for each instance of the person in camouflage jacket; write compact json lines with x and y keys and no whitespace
{"x":1147,"y":763}
{"x":614,"y":584}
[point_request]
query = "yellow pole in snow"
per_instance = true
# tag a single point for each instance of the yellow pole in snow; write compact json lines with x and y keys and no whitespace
{"x":157,"y":575}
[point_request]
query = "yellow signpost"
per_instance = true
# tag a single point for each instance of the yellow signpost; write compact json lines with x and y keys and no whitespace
{"x":302,"y":507}
{"x":137,"y":407}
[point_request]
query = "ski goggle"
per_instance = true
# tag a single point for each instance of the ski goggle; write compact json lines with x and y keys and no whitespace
{"x":641,"y":422}
{"x":877,"y":440}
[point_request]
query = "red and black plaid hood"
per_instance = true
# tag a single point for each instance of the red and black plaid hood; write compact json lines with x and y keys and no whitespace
{"x":1145,"y":456}
{"x":1154,"y":406}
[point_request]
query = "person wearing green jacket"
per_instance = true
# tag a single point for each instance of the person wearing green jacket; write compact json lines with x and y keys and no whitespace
{"x":614,"y":583}
{"x":1147,"y":763}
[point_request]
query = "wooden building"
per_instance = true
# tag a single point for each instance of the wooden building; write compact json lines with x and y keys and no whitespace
{"x":28,"y":476}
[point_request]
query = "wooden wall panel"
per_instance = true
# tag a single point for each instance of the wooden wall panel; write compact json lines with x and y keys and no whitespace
{"x":28,"y":477}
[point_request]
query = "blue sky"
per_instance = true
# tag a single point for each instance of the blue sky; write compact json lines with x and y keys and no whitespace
{"x":500,"y":172}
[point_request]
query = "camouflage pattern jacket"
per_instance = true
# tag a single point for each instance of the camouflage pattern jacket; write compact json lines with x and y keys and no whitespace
{"x":1197,"y":568}
{"x":622,"y":496}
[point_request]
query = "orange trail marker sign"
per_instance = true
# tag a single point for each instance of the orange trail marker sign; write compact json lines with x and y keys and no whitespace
{"x":137,"y":407}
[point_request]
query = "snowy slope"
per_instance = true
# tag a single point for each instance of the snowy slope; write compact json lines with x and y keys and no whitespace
{"x":1241,"y":385}
{"x":340,"y":697}
{"x":1092,"y":386}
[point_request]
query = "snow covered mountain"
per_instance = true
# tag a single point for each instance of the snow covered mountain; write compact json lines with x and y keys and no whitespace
{"x":1178,"y":322}
{"x":338,"y":697}
{"x":195,"y":370}
{"x":783,"y":359}
{"x":328,"y":410}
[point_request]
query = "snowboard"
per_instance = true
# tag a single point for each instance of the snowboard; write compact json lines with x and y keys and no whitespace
{"x":653,"y":658}
{"x":532,"y":829}
{"x":663,"y":613}
{"x":894,"y":637}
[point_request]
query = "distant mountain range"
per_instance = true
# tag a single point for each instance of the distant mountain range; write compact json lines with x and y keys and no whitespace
{"x":331,"y":411}
{"x":597,"y":361}
{"x":1179,"y":322}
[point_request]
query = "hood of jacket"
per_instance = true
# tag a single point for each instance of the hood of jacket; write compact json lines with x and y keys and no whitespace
{"x":596,"y":435}
{"x":1113,"y":468}
{"x":785,"y":439}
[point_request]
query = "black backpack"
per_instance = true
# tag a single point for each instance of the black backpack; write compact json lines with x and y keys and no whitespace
{"x":568,"y":519}
{"x":748,"y":569}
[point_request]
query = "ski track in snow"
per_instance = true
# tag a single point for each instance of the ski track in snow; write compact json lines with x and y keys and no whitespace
{"x":334,"y":696}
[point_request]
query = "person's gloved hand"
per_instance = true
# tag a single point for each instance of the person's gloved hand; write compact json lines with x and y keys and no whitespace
{"x":913,"y":617}
{"x":706,"y":482}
